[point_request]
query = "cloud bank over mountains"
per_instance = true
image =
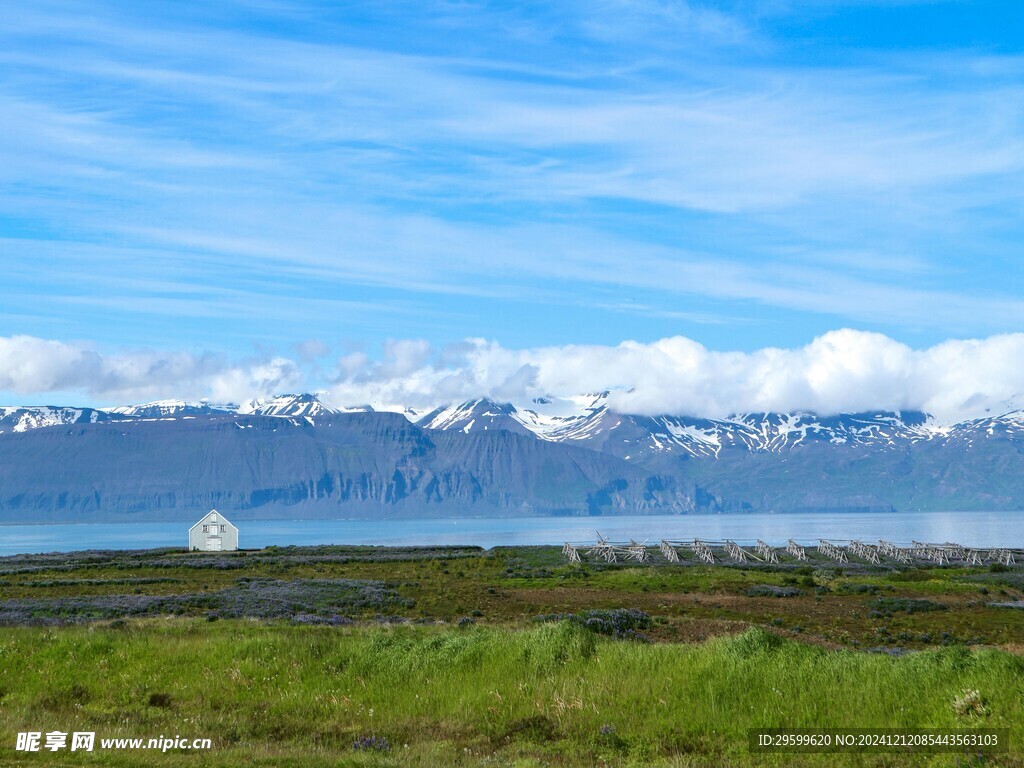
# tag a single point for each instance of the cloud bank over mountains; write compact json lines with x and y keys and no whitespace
{"x":31,"y":366}
{"x":840,"y":371}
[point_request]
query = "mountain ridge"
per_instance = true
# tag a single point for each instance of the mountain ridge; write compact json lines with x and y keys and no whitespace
{"x":293,"y":455}
{"x":588,"y":421}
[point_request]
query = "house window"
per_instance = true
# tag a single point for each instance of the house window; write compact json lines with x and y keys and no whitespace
{"x":223,"y":529}
{"x":206,"y":529}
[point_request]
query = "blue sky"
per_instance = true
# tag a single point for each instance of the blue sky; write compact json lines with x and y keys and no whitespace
{"x":207,"y":187}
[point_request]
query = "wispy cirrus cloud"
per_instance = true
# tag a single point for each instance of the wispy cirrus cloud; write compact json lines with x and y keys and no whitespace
{"x":666,"y":156}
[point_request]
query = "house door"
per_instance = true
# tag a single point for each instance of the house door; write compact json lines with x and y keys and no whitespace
{"x":213,"y":544}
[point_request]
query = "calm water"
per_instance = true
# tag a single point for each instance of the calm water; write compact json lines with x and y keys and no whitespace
{"x":978,"y":529}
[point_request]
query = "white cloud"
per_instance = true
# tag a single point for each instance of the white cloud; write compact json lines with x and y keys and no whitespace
{"x":840,"y":371}
{"x":33,"y":366}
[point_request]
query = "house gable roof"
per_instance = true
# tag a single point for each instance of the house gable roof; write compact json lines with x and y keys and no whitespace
{"x":207,"y":515}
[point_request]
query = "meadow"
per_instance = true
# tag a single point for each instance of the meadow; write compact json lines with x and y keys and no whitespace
{"x":327,"y":656}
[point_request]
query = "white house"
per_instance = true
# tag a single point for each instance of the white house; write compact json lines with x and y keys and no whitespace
{"x":213,"y":533}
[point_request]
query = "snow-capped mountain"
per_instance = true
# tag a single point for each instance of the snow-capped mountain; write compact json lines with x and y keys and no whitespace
{"x":169,"y":409}
{"x":572,"y":418}
{"x":586,"y":421}
{"x":475,"y":415}
{"x":590,"y":422}
{"x":23,"y":418}
{"x":306,"y":405}
{"x":641,"y":436}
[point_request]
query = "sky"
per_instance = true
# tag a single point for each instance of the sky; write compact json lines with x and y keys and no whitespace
{"x":442,"y":198}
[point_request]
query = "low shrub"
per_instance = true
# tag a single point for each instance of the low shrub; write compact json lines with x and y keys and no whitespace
{"x":768,"y":590}
{"x":618,"y":622}
{"x":249,"y":598}
{"x":887,"y":606}
{"x":371,"y":744}
{"x":858,"y":589}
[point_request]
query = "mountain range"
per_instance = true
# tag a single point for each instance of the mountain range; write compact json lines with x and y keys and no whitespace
{"x":293,"y":456}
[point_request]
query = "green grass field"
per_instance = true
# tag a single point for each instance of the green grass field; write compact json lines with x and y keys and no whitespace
{"x":294,"y":657}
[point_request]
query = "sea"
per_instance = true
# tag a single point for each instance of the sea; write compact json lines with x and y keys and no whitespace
{"x":972,"y":529}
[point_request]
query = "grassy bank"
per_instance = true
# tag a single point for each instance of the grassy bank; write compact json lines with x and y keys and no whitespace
{"x":326,"y":656}
{"x":553,"y":693}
